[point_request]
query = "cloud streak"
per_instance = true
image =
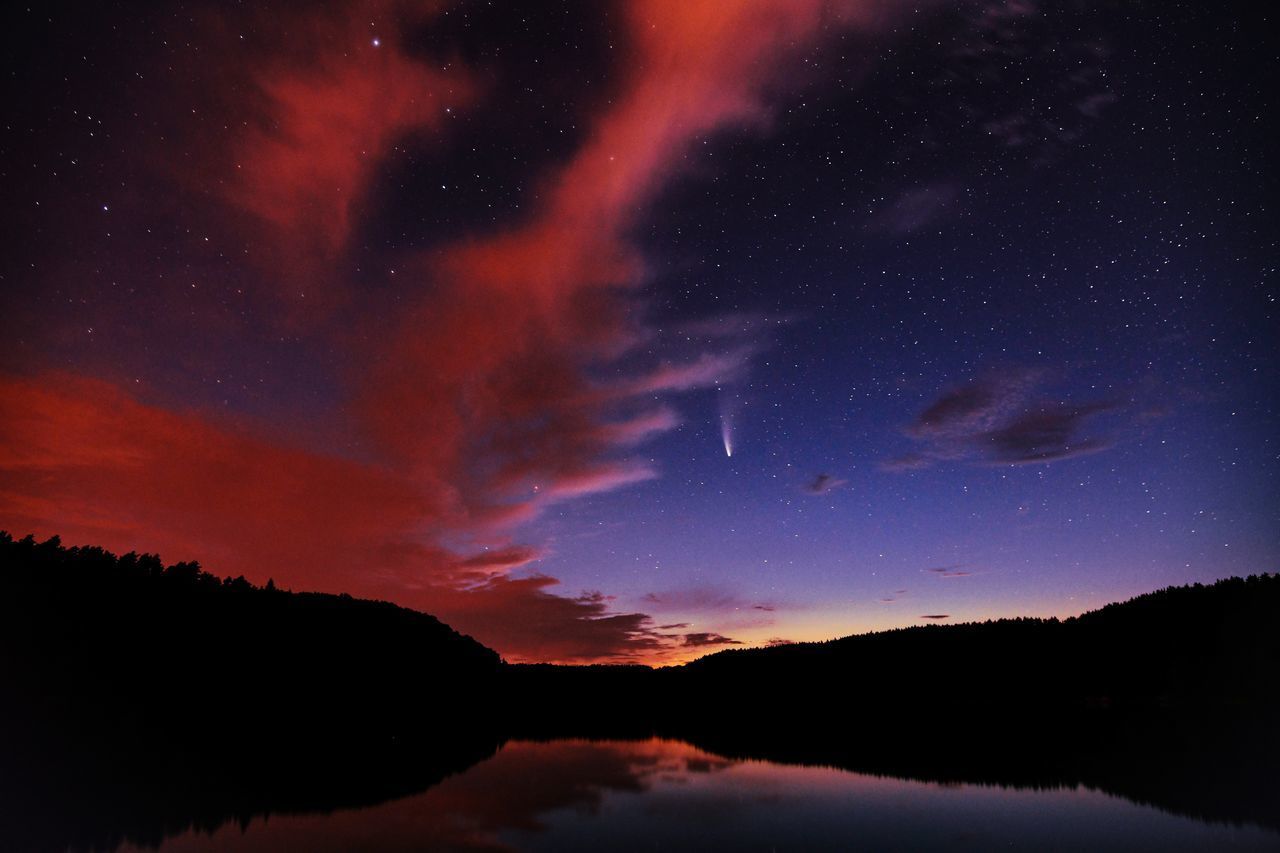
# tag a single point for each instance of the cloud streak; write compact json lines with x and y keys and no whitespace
{"x":709,"y":639}
{"x":704,"y":599}
{"x":950,"y":572}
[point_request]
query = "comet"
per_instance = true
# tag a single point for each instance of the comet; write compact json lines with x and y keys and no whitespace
{"x":726,"y":423}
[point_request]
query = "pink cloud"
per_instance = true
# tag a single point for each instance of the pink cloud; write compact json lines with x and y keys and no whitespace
{"x":482,"y":386}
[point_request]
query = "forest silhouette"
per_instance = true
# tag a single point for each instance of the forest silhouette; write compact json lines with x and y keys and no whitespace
{"x":138,"y":699}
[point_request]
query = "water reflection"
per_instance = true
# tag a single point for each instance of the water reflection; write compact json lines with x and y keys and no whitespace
{"x":664,"y":794}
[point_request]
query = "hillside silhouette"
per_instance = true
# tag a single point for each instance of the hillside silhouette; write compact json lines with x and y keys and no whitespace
{"x":153,"y":697}
{"x":164,"y":641}
{"x":137,"y":699}
{"x":1182,"y":647}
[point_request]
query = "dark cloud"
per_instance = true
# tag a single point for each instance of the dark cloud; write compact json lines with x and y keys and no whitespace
{"x":957,"y":405}
{"x":949,"y":572}
{"x":1001,"y":419}
{"x":936,"y":616}
{"x":1045,"y":435}
{"x":709,"y":639}
{"x":824,"y":484}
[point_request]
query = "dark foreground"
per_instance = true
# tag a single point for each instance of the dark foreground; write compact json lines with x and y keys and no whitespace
{"x":139,"y":701}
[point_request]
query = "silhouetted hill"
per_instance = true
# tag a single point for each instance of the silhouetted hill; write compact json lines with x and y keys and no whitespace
{"x":1196,"y":646}
{"x":154,"y":697}
{"x":129,"y":643}
{"x":155,"y":637}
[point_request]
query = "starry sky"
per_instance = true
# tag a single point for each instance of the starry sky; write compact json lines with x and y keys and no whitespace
{"x":629,"y":330}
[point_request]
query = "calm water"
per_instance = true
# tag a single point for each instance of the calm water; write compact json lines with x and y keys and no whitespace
{"x":667,"y":795}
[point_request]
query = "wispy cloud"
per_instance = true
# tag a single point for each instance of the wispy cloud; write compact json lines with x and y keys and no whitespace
{"x":697,"y":599}
{"x":915,"y":208}
{"x":706,"y":371}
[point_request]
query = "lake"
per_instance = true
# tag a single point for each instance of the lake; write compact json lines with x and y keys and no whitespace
{"x":667,"y":795}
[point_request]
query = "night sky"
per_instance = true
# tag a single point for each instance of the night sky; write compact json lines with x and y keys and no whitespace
{"x":636,"y":330}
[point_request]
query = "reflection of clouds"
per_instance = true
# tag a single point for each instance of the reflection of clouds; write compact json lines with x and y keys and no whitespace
{"x":517,"y":791}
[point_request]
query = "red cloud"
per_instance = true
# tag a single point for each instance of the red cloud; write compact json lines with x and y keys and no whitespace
{"x":288,"y":121}
{"x":479,"y":394}
{"x":485,"y":378}
{"x":307,"y":167}
{"x":83,"y":459}
{"x":531,"y":624}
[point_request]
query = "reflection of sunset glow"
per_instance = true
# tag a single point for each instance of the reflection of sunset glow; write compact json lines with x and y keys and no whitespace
{"x":662,"y":793}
